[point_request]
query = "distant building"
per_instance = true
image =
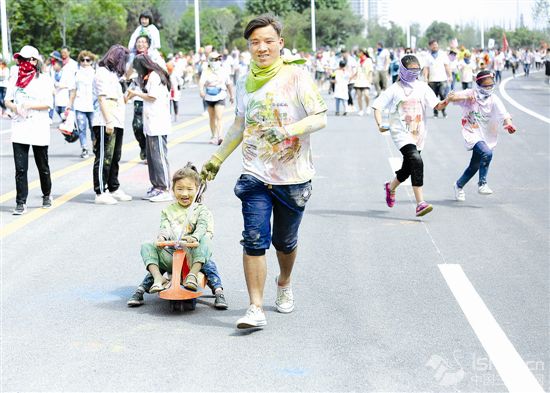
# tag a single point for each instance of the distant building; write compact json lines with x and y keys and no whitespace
{"x":376,"y":10}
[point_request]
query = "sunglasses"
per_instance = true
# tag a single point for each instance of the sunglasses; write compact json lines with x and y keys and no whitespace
{"x":86,"y":60}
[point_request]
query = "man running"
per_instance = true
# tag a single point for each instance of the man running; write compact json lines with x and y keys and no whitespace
{"x":278,"y":106}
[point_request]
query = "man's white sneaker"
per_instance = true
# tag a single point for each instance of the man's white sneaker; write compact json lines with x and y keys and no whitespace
{"x":253,"y":318}
{"x":163,"y":196}
{"x":484,"y":190}
{"x":460,"y":195}
{"x":121,"y":196}
{"x":285,"y":299}
{"x":361,"y":113}
{"x":105,"y":199}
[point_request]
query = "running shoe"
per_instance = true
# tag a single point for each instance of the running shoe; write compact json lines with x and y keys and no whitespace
{"x":423,"y":208}
{"x":84,"y":153}
{"x":105,"y":199}
{"x":46,"y":202}
{"x":20,"y":209}
{"x":484,"y":189}
{"x":137,"y":298}
{"x":220,"y":303}
{"x":121,"y":196}
{"x":460,"y":195}
{"x":254,"y":318}
{"x":151,"y":192}
{"x":390,"y":196}
{"x":163,"y":196}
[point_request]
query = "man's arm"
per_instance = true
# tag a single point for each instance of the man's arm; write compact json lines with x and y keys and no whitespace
{"x":233,"y":138}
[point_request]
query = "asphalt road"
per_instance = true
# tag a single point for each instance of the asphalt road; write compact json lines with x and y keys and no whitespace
{"x":385,"y":301}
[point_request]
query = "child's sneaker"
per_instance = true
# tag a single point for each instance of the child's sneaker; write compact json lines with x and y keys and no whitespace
{"x":460,"y":195}
{"x":137,"y":298}
{"x":390,"y":196}
{"x":484,"y":189}
{"x":423,"y":208}
{"x":220,"y":303}
{"x":254,"y":318}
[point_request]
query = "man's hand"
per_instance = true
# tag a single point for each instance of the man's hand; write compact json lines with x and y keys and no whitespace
{"x":275,"y":135}
{"x":210,"y":169}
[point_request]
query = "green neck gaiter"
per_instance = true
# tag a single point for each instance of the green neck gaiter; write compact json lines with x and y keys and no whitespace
{"x":257,"y":76}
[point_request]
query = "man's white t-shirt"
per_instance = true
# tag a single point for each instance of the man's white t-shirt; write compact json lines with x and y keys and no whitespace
{"x":382,"y":60}
{"x":156,"y":114}
{"x":436,"y":66}
{"x":407,"y":112}
{"x":287,"y":98}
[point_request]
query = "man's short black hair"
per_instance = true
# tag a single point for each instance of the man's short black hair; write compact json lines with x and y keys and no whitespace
{"x":431,"y":42}
{"x":263,"y":21}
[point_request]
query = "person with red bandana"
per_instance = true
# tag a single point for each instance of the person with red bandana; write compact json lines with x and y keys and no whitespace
{"x":30,"y":98}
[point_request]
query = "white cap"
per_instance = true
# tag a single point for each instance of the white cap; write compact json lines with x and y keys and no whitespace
{"x":27,"y":52}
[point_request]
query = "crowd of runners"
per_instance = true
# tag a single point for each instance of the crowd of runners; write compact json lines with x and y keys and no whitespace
{"x":279,"y":103}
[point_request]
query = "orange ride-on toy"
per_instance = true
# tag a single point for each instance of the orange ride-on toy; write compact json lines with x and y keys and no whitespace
{"x":181,"y":298}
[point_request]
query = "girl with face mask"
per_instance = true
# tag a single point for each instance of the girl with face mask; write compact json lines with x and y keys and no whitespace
{"x":214,"y":86}
{"x":482,"y":115}
{"x":407,"y":101}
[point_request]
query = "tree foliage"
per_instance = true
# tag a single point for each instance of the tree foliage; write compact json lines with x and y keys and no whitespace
{"x":277,"y":7}
{"x":440,"y":31}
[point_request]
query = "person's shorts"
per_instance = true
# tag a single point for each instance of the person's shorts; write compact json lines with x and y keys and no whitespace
{"x":320,"y":75}
{"x":259,"y":201}
{"x":214,"y":103}
{"x":361,"y":89}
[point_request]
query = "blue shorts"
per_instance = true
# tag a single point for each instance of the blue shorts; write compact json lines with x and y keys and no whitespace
{"x":259,"y":200}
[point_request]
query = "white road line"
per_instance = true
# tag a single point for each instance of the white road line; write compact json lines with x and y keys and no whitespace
{"x":505,"y":95}
{"x":510,"y":366}
{"x":395,"y":163}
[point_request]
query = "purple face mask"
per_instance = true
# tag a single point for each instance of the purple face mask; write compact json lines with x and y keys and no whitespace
{"x":408,"y":76}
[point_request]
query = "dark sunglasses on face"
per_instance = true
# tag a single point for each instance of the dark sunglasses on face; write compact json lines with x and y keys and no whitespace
{"x":86,"y":60}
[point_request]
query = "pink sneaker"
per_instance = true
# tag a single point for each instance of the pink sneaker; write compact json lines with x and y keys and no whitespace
{"x":423,"y":208}
{"x":390,"y":196}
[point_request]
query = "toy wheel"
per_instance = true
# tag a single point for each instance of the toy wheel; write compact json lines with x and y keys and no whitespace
{"x":175,"y":305}
{"x":189,"y":305}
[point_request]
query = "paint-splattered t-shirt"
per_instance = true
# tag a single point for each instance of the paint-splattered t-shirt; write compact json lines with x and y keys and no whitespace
{"x":173,"y":218}
{"x":481,"y":119}
{"x":407,"y":112}
{"x":287,"y":98}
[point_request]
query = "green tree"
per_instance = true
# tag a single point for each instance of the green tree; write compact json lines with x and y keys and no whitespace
{"x":468,"y":35}
{"x":295,"y":26}
{"x":221,"y":21}
{"x":395,"y":37}
{"x":302,"y":5}
{"x":440,"y":31}
{"x":541,"y":14}
{"x":277,"y":7}
{"x":337,"y":25}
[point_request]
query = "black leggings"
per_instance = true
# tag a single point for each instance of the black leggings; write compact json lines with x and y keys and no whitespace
{"x":21,"y":158}
{"x":412,"y":166}
{"x":137,"y":125}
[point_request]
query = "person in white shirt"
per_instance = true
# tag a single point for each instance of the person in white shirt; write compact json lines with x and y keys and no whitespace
{"x":82,"y":99}
{"x":498,"y":65}
{"x":382,"y":65}
{"x":146,"y":27}
{"x":437,"y":72}
{"x":108,"y":126}
{"x":155,"y":85}
{"x":214,"y":86}
{"x":30,"y":98}
{"x":4,"y":77}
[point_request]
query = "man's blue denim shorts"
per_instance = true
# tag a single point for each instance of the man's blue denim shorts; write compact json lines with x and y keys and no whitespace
{"x":259,"y":200}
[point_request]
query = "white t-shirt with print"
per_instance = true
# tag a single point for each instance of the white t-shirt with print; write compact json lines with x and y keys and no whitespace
{"x":106,"y":84}
{"x":407,"y":112}
{"x":84,"y":99}
{"x":156,"y":114}
{"x":289,"y":97}
{"x":34,"y":129}
{"x":481,"y":120}
{"x":436,"y":67}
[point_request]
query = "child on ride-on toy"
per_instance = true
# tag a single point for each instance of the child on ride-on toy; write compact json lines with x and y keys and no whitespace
{"x":185,"y":184}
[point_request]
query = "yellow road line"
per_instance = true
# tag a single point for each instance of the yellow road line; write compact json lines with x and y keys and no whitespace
{"x":74,"y":167}
{"x":37,"y":213}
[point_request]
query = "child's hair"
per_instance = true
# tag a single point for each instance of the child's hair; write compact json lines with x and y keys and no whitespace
{"x":483,"y":75}
{"x":409,"y":60}
{"x":189,"y":171}
{"x":342,"y":63}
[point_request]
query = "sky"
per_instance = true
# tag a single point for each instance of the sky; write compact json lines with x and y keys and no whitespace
{"x":491,"y":12}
